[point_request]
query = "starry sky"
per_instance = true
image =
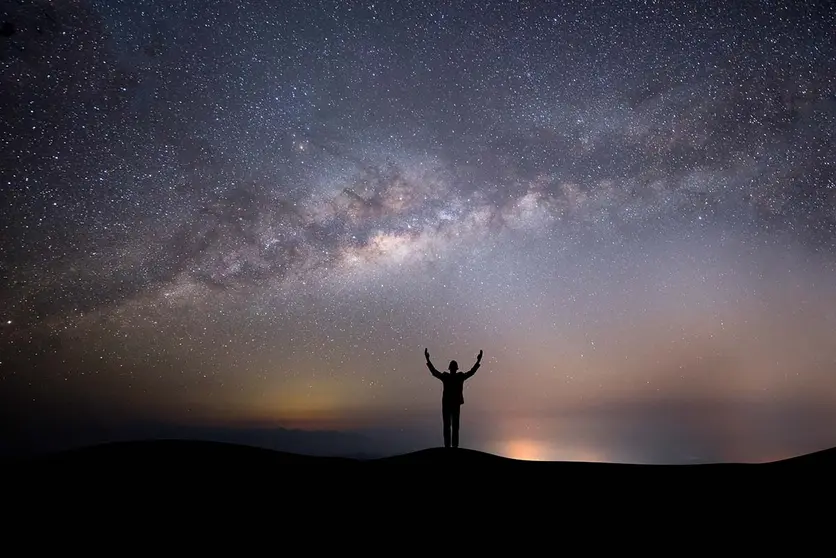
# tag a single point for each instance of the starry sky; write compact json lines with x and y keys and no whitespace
{"x":243,"y":220}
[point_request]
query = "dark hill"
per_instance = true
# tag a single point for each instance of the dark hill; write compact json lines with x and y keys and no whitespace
{"x":195,"y":477}
{"x":173,"y":455}
{"x":819,"y":458}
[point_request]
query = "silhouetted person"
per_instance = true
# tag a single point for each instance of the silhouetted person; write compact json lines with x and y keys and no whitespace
{"x":453,"y":397}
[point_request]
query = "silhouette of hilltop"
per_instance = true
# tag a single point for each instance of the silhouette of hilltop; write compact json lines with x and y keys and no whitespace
{"x":826,"y":457}
{"x":197,"y":477}
{"x":176,"y":455}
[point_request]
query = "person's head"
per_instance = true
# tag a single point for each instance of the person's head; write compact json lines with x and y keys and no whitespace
{"x":453,"y":366}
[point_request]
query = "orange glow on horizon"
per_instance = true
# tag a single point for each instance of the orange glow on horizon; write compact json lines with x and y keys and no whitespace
{"x":528,"y":449}
{"x":525,"y":449}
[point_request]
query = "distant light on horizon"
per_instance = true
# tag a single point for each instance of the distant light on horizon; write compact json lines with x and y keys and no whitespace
{"x":529,"y":449}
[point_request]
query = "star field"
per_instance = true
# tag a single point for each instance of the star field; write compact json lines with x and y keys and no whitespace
{"x":251,"y":214}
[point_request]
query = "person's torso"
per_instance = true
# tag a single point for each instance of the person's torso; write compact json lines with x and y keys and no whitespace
{"x":453,"y":387}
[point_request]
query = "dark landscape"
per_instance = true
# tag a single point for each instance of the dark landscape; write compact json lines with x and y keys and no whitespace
{"x":184,"y":480}
{"x":172,"y":456}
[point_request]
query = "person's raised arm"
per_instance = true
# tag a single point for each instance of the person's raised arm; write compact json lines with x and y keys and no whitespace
{"x":476,"y":366}
{"x":433,"y":371}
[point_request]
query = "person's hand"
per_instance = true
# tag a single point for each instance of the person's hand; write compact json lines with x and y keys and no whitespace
{"x":427,"y":354}
{"x":479,"y":356}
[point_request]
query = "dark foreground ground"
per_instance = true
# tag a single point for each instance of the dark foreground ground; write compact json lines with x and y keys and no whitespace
{"x":184,"y":481}
{"x":124,"y":495}
{"x":172,"y":457}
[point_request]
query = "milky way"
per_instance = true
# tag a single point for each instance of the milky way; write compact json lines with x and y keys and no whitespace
{"x":261,"y":213}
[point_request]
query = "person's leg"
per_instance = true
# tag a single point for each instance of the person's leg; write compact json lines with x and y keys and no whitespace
{"x":454,"y":419}
{"x":445,"y":412}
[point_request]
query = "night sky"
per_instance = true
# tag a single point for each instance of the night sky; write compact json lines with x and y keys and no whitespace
{"x":227,"y":219}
